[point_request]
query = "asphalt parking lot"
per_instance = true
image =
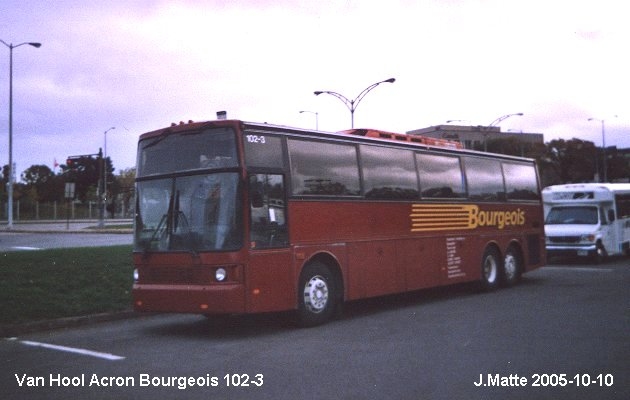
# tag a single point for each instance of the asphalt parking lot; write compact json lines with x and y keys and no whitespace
{"x":561,"y":334}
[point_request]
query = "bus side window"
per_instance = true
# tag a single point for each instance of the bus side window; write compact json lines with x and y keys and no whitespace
{"x":268,"y":226}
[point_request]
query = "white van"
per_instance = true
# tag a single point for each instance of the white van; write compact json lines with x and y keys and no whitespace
{"x":588,"y":219}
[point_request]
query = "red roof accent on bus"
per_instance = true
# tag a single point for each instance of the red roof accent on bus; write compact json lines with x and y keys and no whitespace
{"x":402,"y":137}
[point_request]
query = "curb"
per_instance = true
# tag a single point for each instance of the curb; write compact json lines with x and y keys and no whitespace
{"x":10,"y":330}
{"x":89,"y":231}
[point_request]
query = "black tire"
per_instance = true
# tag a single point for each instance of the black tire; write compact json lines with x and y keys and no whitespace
{"x":491,"y":268}
{"x":512,"y":266}
{"x":600,"y":255}
{"x":317,"y":295}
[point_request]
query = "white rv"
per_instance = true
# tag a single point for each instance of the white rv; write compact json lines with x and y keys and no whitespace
{"x":588,"y":219}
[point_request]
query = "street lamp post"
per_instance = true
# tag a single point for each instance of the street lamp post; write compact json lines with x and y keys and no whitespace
{"x":605,"y":178}
{"x":494,"y":123}
{"x":104,"y":171}
{"x":11,"y":172}
{"x":316,"y":117}
{"x":105,"y":139}
{"x":353,"y":104}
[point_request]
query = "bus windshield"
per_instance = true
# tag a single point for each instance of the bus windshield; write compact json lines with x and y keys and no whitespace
{"x":572,"y":216}
{"x":195,"y":211}
{"x":172,"y":153}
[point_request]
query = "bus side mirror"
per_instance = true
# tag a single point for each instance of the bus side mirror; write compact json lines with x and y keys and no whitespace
{"x":611,"y":215}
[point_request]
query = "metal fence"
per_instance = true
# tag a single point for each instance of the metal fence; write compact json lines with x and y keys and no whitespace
{"x":29,"y":210}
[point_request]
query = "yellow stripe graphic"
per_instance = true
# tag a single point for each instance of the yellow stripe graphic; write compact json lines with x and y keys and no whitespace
{"x":441,"y":217}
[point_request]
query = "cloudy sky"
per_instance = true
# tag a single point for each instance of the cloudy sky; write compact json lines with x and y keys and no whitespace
{"x":140,"y":65}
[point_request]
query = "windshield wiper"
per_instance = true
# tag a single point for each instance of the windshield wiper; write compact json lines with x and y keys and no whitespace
{"x":179,"y":218}
{"x":174,"y":224}
{"x":147,"y":243}
{"x":164,"y":221}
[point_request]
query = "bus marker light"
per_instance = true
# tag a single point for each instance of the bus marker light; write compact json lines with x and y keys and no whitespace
{"x":139,"y":303}
{"x":203,"y":306}
{"x":256,"y":291}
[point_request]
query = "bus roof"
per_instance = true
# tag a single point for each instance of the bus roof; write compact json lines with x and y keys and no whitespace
{"x":383,"y":137}
{"x":361,"y":135}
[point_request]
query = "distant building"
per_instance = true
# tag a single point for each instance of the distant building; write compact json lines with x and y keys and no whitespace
{"x":476,"y":137}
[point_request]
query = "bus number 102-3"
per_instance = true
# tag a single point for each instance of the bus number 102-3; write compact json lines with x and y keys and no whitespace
{"x":243,"y":380}
{"x":255,"y":139}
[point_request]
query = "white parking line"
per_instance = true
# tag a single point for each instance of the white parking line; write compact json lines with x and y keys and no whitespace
{"x":84,"y":352}
{"x":580,"y":269}
{"x":25,"y":248}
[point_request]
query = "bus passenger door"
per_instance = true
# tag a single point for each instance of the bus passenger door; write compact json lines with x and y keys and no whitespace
{"x":269,"y":275}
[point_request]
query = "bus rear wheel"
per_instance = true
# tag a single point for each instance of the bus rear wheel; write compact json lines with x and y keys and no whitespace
{"x":317,"y":295}
{"x":490,"y":269}
{"x":512,"y":266}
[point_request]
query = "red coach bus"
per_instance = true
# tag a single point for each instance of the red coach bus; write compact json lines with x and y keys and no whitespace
{"x":237,"y":217}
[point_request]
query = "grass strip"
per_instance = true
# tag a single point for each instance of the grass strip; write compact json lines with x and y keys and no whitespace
{"x":47,"y":284}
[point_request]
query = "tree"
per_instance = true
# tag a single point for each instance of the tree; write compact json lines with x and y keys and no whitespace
{"x":123,"y":189}
{"x":18,"y":190}
{"x":559,"y":161}
{"x":574,"y":160}
{"x":85,"y":172}
{"x":4,"y":180}
{"x":37,"y":174}
{"x":43,"y":184}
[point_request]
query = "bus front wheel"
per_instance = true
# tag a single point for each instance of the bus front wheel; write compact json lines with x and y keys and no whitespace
{"x":490,"y":269}
{"x":317,"y":295}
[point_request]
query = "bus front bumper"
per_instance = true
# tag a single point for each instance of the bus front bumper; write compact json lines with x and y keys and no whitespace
{"x":197,"y":299}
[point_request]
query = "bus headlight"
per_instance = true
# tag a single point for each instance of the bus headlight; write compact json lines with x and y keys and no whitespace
{"x":220,"y":274}
{"x":587,"y":238}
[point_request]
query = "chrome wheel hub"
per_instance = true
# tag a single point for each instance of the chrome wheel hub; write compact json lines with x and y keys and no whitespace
{"x":510,"y":266}
{"x":316,"y":294}
{"x":490,"y":269}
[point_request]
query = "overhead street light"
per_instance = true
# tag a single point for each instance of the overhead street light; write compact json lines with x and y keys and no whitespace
{"x":11,"y":172}
{"x":495,"y":123}
{"x":353,"y":104}
{"x":504,"y":117}
{"x":105,"y":138}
